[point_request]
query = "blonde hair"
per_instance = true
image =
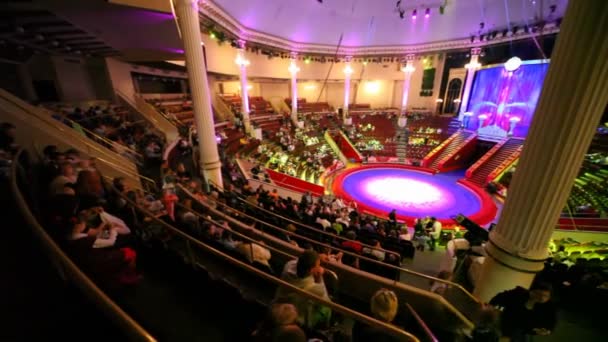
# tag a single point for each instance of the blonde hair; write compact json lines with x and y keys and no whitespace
{"x":384,"y":305}
{"x":283,"y":314}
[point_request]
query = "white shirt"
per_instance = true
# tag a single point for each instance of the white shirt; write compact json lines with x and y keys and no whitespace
{"x":436,"y":233}
{"x":254,"y":252}
{"x":308,"y":284}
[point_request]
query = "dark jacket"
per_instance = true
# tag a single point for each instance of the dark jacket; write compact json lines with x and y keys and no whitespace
{"x":516,"y":319}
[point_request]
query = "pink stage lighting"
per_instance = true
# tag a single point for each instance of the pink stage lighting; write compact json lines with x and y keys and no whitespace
{"x":403,"y":192}
{"x":427,"y":13}
{"x":414,"y":13}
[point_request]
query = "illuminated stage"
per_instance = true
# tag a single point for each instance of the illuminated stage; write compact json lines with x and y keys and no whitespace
{"x":413,"y":192}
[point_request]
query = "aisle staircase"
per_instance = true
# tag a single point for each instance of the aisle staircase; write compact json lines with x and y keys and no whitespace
{"x":150,"y":114}
{"x":448,"y":147}
{"x":454,"y":125}
{"x":478,"y":173}
{"x":401,"y":138}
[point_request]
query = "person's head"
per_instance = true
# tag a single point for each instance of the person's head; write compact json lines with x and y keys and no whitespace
{"x":72,"y":154}
{"x":540,"y":292}
{"x":561,"y":248}
{"x":292,"y":333}
{"x":433,"y":219}
{"x":181,"y":167}
{"x":283,"y":314}
{"x":77,"y":224}
{"x":68,"y":189}
{"x":384,"y":305}
{"x":291,"y":228}
{"x":89,"y":183}
{"x":488,"y":317}
{"x":49,"y":151}
{"x":8,"y":129}
{"x":66,"y":169}
{"x":119,"y":184}
{"x":307,"y":262}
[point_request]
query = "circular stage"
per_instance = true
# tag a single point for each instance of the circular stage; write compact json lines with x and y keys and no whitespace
{"x":413,"y":192}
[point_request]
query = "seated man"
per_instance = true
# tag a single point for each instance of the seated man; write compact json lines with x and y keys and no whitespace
{"x":306,"y":273}
{"x":526,"y":312}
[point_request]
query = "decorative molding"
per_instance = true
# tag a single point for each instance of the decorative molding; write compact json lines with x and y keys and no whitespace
{"x":209,"y":11}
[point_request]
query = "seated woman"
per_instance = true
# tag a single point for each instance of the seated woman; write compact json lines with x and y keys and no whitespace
{"x":111,"y":266}
{"x":384,"y":306}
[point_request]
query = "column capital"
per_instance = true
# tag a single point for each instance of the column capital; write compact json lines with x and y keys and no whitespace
{"x":187,"y":3}
{"x":410,"y":57}
{"x":476,"y":51}
{"x":348,"y":59}
{"x":241,"y":44}
{"x":293,"y":55}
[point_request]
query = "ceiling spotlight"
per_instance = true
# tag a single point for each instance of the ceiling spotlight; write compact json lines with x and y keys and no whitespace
{"x":55,"y":43}
{"x":414,"y":14}
{"x":427,"y":13}
{"x":67,"y":48}
{"x":320,"y":1}
{"x":20,"y":29}
{"x":39,"y":37}
{"x":482,"y":25}
{"x":401,"y":14}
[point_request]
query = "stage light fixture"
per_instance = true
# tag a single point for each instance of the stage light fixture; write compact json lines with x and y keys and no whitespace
{"x":513,"y":64}
{"x":427,"y":13}
{"x":401,"y":14}
{"x":414,"y":14}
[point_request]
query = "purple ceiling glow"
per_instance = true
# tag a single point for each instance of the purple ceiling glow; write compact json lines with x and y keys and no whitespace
{"x":307,"y":21}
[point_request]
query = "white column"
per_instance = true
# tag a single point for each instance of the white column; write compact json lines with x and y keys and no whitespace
{"x":348,"y":71}
{"x":242,"y":62}
{"x":408,"y":70}
{"x":293,"y":71}
{"x":573,"y":99}
{"x":471,"y":67}
{"x":188,"y":20}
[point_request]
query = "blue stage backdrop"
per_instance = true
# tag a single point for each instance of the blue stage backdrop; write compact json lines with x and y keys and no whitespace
{"x":506,"y":99}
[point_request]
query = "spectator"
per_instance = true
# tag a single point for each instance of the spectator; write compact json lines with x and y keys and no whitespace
{"x":384,"y":306}
{"x":280,"y":325}
{"x":486,"y":328}
{"x":526,"y":312}
{"x":377,"y":252}
{"x":66,"y":176}
{"x":254,"y":252}
{"x":306,"y":273}
{"x":434,"y":229}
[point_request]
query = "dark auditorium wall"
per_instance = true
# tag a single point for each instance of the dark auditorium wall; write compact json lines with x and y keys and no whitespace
{"x":11,"y":80}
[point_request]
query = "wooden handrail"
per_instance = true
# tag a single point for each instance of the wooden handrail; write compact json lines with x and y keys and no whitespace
{"x":405,"y":270}
{"x":427,"y":331}
{"x":82,"y":281}
{"x":284,"y":231}
{"x":392,"y":330}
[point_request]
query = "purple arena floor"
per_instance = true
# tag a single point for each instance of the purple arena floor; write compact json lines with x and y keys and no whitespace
{"x":412,"y":193}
